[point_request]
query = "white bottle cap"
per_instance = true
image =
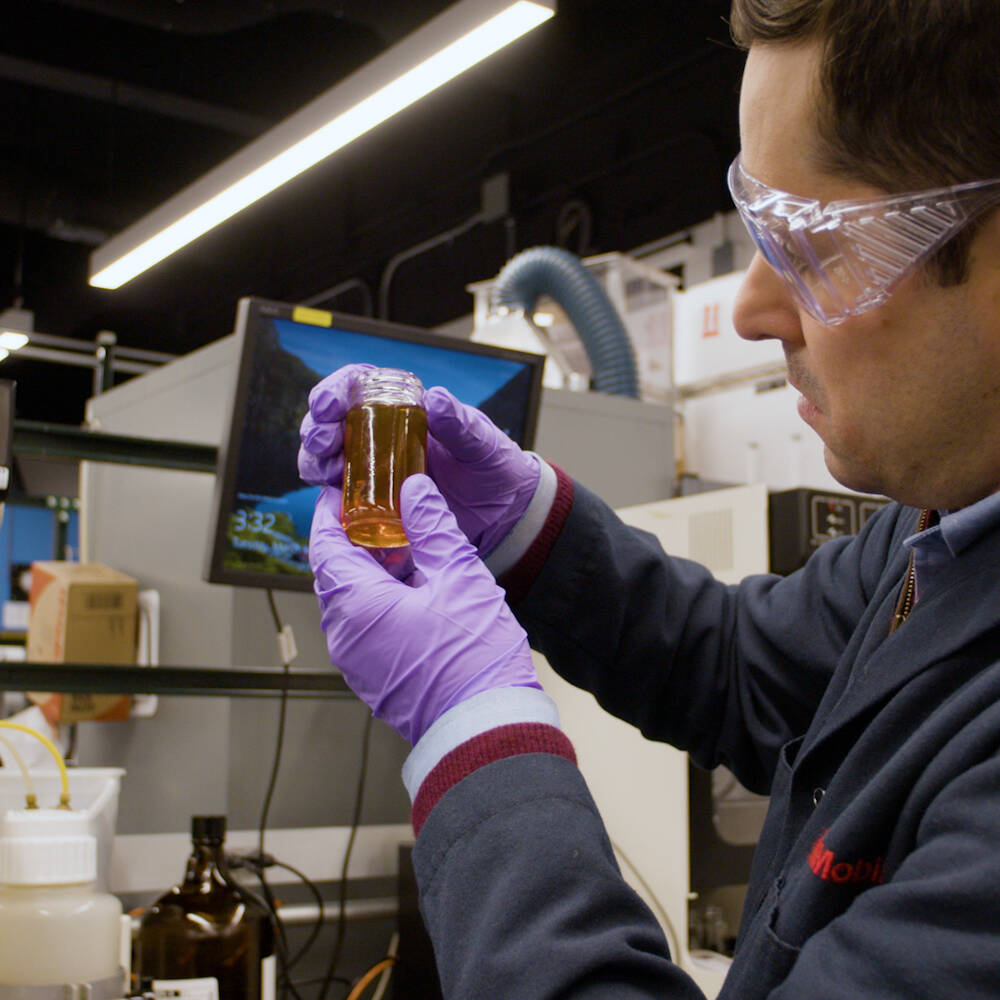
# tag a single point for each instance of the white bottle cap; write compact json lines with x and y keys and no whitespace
{"x":46,"y":847}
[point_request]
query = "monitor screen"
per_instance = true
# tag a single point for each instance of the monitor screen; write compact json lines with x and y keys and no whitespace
{"x":262,"y":511}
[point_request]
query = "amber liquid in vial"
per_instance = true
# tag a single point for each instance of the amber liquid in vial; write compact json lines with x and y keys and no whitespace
{"x":383,"y":444}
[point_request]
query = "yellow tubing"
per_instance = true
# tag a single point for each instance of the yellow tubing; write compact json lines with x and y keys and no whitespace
{"x":29,"y":789}
{"x":52,"y":749}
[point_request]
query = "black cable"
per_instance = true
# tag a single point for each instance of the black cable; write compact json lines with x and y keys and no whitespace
{"x":255,"y":864}
{"x":287,"y":964}
{"x":318,"y":897}
{"x":252,"y":862}
{"x":281,"y":941}
{"x":342,"y":898}
{"x":282,"y":938}
{"x":279,"y":743}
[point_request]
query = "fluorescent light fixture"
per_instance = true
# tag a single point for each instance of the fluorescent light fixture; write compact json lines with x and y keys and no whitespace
{"x":12,"y":340}
{"x":458,"y":38}
{"x":4,"y":353}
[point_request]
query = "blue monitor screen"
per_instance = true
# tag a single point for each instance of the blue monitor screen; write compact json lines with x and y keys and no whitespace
{"x":263,"y":511}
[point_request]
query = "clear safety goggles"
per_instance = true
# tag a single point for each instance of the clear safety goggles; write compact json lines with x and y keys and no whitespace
{"x":845,"y":257}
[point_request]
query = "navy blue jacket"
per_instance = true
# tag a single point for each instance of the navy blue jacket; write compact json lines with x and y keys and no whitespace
{"x":878,"y":869}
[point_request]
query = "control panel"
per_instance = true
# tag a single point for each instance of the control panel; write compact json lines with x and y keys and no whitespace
{"x":801,"y":520}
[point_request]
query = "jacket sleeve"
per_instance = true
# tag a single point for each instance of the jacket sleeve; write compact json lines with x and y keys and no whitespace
{"x":728,"y":673}
{"x":522,"y":896}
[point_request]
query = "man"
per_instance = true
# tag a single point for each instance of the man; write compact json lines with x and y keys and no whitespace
{"x":862,"y":693}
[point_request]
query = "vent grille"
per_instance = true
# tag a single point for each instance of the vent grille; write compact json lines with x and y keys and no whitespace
{"x":710,"y":536}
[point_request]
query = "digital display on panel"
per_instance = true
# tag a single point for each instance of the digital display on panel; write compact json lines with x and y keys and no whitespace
{"x":263,"y":511}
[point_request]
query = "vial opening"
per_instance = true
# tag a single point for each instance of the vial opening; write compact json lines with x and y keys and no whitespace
{"x":391,"y":386}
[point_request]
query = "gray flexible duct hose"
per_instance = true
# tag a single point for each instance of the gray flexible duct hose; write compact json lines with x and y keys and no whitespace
{"x":559,"y":274}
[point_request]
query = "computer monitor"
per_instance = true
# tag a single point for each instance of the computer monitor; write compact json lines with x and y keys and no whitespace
{"x":262,"y":511}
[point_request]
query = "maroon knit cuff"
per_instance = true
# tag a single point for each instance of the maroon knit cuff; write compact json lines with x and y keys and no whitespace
{"x":518,"y":579}
{"x":494,"y":744}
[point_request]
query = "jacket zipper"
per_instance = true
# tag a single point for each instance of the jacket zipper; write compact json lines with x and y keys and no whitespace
{"x":905,"y":603}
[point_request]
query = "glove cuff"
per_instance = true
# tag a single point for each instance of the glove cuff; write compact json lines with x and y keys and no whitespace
{"x":519,"y":579}
{"x":516,"y":539}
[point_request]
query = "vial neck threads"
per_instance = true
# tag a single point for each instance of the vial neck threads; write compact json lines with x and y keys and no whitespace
{"x":388,"y":387}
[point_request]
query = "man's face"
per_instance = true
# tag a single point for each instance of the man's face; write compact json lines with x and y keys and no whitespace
{"x":906,"y":396}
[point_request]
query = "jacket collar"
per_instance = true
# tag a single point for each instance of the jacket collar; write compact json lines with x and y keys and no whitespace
{"x":960,"y":603}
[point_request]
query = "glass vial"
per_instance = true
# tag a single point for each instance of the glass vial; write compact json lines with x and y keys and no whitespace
{"x":385,"y":440}
{"x":207,"y":936}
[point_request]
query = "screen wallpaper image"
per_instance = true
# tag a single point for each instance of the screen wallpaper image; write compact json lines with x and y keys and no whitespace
{"x":272,"y":509}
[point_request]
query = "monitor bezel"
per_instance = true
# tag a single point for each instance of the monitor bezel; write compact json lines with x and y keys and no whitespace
{"x":249,"y":314}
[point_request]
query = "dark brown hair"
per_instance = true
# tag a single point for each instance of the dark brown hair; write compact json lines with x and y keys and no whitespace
{"x":910,"y":90}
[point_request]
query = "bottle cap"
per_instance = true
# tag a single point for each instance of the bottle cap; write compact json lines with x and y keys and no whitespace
{"x":46,"y":847}
{"x":211,"y":828}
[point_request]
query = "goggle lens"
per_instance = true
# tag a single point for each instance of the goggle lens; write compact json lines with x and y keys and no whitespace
{"x":847,"y":257}
{"x":802,"y":267}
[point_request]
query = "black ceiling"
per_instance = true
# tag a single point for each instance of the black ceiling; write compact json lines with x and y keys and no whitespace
{"x":614,"y":122}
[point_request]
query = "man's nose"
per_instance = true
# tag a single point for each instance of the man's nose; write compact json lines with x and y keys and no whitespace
{"x":764,"y":307}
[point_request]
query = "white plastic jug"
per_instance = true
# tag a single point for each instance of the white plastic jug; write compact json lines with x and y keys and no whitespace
{"x":55,"y":926}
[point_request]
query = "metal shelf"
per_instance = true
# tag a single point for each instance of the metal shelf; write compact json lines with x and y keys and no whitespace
{"x":76,"y":443}
{"x":67,"y":442}
{"x":93,"y":678}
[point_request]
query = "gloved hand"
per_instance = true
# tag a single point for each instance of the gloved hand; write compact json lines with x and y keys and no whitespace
{"x":321,"y":433}
{"x":486,"y":479}
{"x":412,"y":649}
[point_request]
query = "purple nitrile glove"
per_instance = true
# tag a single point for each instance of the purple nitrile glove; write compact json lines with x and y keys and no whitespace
{"x":413,"y":649}
{"x":321,"y":452}
{"x":486,"y":478}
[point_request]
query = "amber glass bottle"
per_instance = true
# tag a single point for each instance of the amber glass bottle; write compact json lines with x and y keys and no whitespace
{"x":207,"y":931}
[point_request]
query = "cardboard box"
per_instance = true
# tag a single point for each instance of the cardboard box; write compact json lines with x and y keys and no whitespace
{"x":81,"y":613}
